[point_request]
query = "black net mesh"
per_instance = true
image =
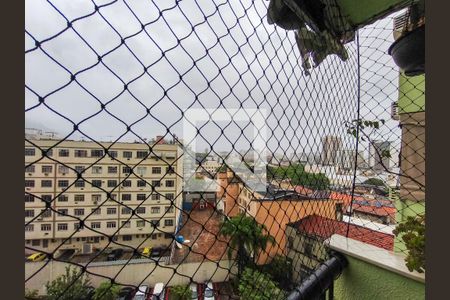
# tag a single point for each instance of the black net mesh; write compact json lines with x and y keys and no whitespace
{"x":115,"y":188}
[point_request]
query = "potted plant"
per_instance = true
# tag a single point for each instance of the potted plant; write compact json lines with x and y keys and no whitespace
{"x":408,"y":51}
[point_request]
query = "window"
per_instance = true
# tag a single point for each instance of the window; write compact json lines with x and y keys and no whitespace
{"x":63,"y":211}
{"x":96,"y":170}
{"x":156,"y":170}
{"x":62,"y":226}
{"x":126,"y":170}
{"x":126,"y":197}
{"x":112,"y":183}
{"x":63,"y":152}
{"x":96,"y":153}
{"x":170,"y":196}
{"x":170,"y":155}
{"x":113,"y":196}
{"x":29,"y":213}
{"x":141,"y":183}
{"x":29,"y":183}
{"x":126,"y":183}
{"x":46,"y":227}
{"x":79,"y":169}
{"x":46,"y":198}
{"x":170,"y":170}
{"x":35,"y":242}
{"x":290,"y":243}
{"x":30,"y":151}
{"x":140,"y":197}
{"x":111,"y":211}
{"x":127,"y":154}
{"x":96,"y":225}
{"x":79,"y":183}
{"x":155,"y":210}
{"x":167,"y":235}
{"x":155,"y":197}
{"x":168,"y":222}
{"x":154,"y":236}
{"x":80,"y":153}
{"x":63,"y":198}
{"x":155,"y":223}
{"x":140,"y":210}
{"x":127,"y":237}
{"x":46,"y":169}
{"x":170,"y":183}
{"x":112,"y":170}
{"x":96,"y":197}
{"x":126,"y":211}
{"x":141,"y":154}
{"x":97,"y":183}
{"x":308,"y":248}
{"x":48,"y":152}
{"x":140,"y":223}
{"x":29,"y":198}
{"x":79,"y":197}
{"x":77,"y":227}
{"x":63,"y":183}
{"x":30,"y":169}
{"x":63,"y":169}
{"x":111,"y":224}
{"x":78,"y":211}
{"x":46,"y":183}
{"x":141,"y":171}
{"x":112,"y":153}
{"x":156,"y":183}
{"x":96,"y":210}
{"x":169,"y":209}
{"x":29,"y":227}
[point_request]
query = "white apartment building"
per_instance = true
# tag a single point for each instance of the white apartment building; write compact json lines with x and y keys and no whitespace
{"x":127,"y":192}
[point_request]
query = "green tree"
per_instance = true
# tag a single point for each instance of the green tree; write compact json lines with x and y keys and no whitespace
{"x":71,"y":285}
{"x":106,"y":291}
{"x":182,"y":292}
{"x":298,"y":176}
{"x":247,"y":236}
{"x":255,"y":285}
{"x":280,"y":268}
{"x":375,"y":181}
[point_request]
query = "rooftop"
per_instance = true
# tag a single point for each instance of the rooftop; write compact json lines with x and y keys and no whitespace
{"x":325,"y":228}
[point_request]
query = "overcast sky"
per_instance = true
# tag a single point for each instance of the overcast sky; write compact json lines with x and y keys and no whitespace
{"x":264,"y":72}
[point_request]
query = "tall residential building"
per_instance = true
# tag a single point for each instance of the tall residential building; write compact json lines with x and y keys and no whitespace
{"x":377,"y":150}
{"x":361,"y":160}
{"x":347,"y":159}
{"x":331,"y":146}
{"x":129,"y":193}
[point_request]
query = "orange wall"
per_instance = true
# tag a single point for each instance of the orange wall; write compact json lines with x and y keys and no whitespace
{"x":276,"y":214}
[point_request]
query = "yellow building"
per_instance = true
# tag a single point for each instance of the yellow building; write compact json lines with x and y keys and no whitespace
{"x":125,"y":191}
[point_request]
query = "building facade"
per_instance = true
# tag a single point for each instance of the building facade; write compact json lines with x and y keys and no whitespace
{"x":81,"y":193}
{"x":331,"y":147}
{"x":377,"y":159}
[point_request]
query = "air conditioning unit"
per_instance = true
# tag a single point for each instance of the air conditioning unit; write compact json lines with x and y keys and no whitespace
{"x":46,"y":174}
{"x":95,"y":202}
{"x":140,"y":228}
{"x":395,"y":111}
{"x":29,"y":174}
{"x":64,"y":173}
{"x":28,"y":188}
{"x":40,"y":219}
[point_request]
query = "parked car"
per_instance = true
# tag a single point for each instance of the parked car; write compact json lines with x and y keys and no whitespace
{"x":156,"y":251}
{"x":209,"y":291}
{"x":193,"y":287}
{"x":38,"y":256}
{"x":115,"y":254}
{"x":126,"y":293}
{"x":141,"y":293}
{"x":147,"y":251}
{"x":158,"y":291}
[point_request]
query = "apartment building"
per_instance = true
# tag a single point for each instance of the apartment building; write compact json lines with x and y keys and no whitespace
{"x":82,"y":193}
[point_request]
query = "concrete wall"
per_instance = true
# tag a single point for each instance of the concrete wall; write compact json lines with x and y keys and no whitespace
{"x":364,"y":281}
{"x":133,"y":274}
